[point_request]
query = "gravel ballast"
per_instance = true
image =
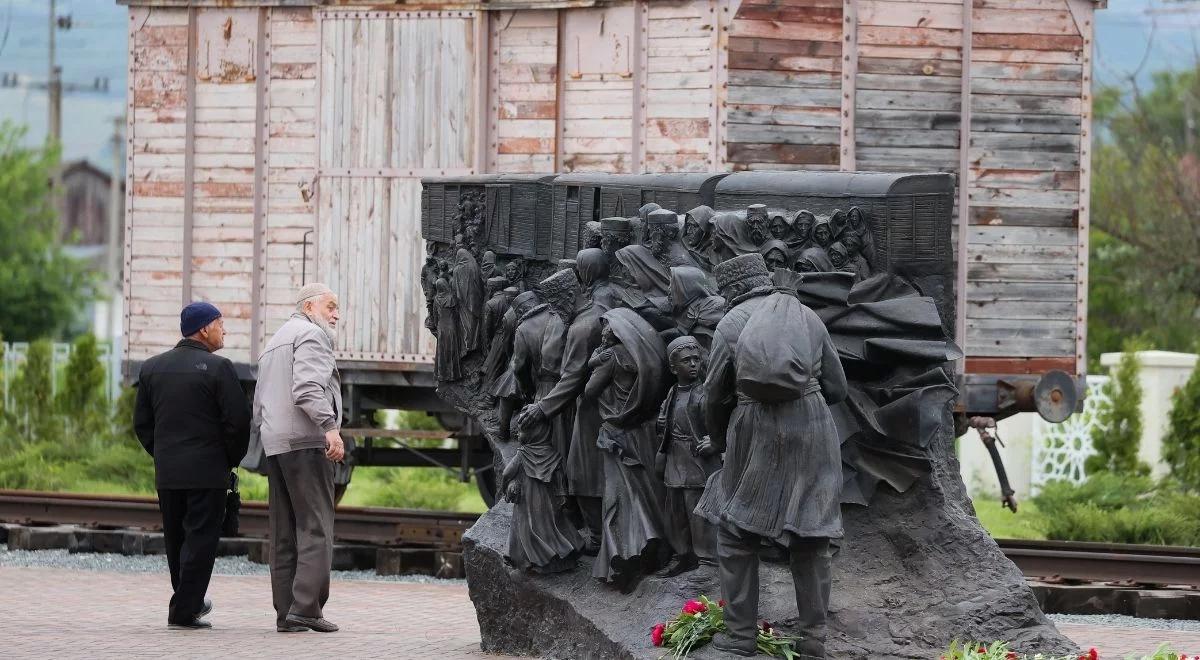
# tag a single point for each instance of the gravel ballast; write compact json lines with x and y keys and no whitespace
{"x":158,"y":564}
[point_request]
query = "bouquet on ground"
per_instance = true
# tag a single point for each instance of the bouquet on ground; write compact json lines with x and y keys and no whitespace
{"x":700,"y":619}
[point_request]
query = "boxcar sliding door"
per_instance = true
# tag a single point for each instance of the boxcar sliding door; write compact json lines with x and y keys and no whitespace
{"x":398,"y":97}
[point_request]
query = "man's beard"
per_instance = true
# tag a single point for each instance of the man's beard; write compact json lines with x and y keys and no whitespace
{"x":328,"y":328}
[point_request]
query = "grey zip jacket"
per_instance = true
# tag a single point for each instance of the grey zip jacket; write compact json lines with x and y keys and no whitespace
{"x":298,"y":396}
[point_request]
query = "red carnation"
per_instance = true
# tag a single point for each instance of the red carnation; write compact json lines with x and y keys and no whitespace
{"x":1012,"y":655}
{"x":693,"y":607}
{"x":983,"y":649}
{"x":721,"y":602}
{"x":766,"y":626}
{"x":656,"y":635}
{"x":1093,"y":654}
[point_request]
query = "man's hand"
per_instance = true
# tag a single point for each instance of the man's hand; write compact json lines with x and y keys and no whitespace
{"x":705,"y":447}
{"x":530,"y":415}
{"x":335,"y":450}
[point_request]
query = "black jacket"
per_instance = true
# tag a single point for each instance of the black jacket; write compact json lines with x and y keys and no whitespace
{"x":192,"y":416}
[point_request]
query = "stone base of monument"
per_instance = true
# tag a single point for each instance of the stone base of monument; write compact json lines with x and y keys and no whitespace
{"x":914,"y":572}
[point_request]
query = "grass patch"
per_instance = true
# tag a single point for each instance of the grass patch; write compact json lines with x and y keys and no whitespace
{"x":1001,"y":523}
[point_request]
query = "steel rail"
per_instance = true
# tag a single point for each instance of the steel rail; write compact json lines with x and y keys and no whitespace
{"x":1105,"y":562}
{"x":378,"y":526}
{"x":1070,"y":560}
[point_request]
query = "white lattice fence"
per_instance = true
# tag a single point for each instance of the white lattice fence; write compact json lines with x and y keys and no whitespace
{"x":1059,"y":450}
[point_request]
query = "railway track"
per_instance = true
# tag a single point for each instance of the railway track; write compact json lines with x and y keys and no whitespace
{"x":1084,"y":562}
{"x":399,"y":527}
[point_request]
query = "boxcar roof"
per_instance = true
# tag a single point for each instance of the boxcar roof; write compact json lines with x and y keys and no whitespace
{"x":684,"y":182}
{"x":835,"y":183}
{"x":484,"y":179}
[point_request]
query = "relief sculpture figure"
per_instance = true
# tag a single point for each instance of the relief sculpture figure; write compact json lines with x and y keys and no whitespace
{"x":686,"y":459}
{"x":773,"y":374}
{"x":628,"y":384}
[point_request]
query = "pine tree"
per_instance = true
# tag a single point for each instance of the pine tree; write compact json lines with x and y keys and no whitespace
{"x":1119,"y":433}
{"x":1181,"y":444}
{"x":33,"y":394}
{"x":81,"y":400}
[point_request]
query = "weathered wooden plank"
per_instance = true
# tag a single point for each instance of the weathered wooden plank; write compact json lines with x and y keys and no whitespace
{"x":1018,"y":273}
{"x":1018,"y":55}
{"x":1031,"y":179}
{"x":982,"y":121}
{"x":909,"y":83}
{"x":1017,"y":159}
{"x":1062,"y":199}
{"x":1026,"y":71}
{"x":909,"y":52}
{"x":1012,"y":103}
{"x":910,"y":15}
{"x":873,"y":99}
{"x":903,"y":36}
{"x":782,"y":134}
{"x":794,"y":96}
{"x":1016,"y":253}
{"x":1005,"y":347}
{"x":782,"y":62}
{"x":784,"y":79}
{"x":794,"y":13}
{"x":907,"y":119}
{"x":1070,"y":88}
{"x":997,"y":235}
{"x":1021,"y":365}
{"x":894,"y":158}
{"x":1023,"y":21}
{"x":780,"y":115}
{"x":1033,"y":291}
{"x":797,"y":47}
{"x":1063,"y":142}
{"x":784,"y":30}
{"x":909,"y":67}
{"x":885,"y":137}
{"x":783,"y":153}
{"x":1028,"y":41}
{"x":679,"y":81}
{"x":1024,"y":216}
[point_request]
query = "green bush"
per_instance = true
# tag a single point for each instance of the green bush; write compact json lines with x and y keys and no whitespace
{"x":33,"y":397}
{"x":1105,"y":490}
{"x":1119,"y":509}
{"x":1119,"y":432}
{"x":1181,"y":444}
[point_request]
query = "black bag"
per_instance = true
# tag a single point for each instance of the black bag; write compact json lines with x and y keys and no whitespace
{"x":233,"y":505}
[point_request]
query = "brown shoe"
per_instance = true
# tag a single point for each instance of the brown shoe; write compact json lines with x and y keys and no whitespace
{"x":319,"y":625}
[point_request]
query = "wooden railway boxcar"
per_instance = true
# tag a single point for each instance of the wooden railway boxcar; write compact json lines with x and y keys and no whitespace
{"x":512,"y":203}
{"x":273,"y":141}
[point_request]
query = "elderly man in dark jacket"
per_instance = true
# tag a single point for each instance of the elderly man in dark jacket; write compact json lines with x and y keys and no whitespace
{"x":193,"y":417}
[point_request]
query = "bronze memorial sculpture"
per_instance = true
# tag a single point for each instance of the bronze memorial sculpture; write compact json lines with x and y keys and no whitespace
{"x":681,"y":374}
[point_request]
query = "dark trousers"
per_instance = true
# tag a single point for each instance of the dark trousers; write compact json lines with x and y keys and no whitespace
{"x":300,"y":499}
{"x":192,"y":519}
{"x":810,"y":564}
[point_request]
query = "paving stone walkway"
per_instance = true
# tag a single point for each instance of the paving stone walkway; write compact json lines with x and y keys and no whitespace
{"x":59,"y":613}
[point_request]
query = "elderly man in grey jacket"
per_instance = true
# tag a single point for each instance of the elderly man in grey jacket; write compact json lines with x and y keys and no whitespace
{"x":297,"y":412}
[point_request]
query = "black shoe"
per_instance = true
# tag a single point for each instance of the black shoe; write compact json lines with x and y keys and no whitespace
{"x":194,"y":624}
{"x":591,"y":547}
{"x":319,"y":625}
{"x":205,"y":608}
{"x":723,"y":642}
{"x":286,"y":627}
{"x":680,"y":564}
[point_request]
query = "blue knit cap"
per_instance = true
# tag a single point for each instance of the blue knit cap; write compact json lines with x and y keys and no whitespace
{"x":196,"y":316}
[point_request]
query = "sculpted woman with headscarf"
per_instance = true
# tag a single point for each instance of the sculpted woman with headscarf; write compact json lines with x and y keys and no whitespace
{"x":650,"y":288}
{"x":776,"y":253}
{"x":695,"y":305}
{"x":732,"y":237}
{"x":467,"y":280}
{"x":697,"y":235}
{"x":628,"y":382}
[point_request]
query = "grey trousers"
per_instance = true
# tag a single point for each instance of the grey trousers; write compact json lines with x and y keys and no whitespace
{"x":810,"y":564}
{"x":300,"y":498}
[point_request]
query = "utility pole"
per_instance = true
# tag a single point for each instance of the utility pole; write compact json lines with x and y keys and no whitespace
{"x":54,"y":85}
{"x":112,"y":261}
